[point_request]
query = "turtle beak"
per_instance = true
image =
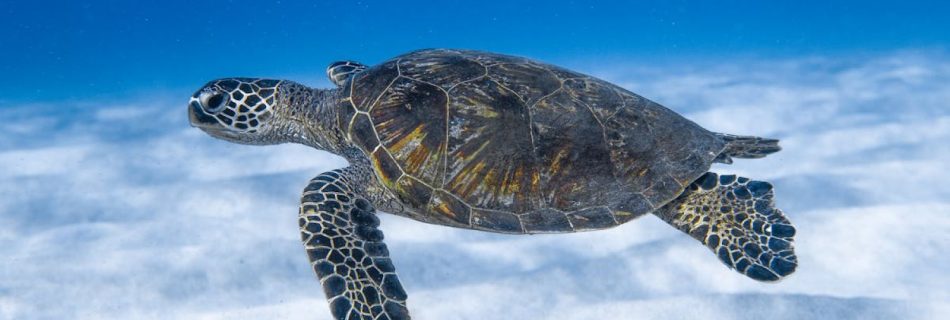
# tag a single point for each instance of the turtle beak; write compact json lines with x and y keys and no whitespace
{"x":207,"y":123}
{"x":198,"y":118}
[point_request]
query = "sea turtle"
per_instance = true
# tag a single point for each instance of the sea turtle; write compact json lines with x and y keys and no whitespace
{"x":492,"y":142}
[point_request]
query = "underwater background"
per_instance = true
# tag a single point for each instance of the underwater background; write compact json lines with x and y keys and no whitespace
{"x":112,"y":207}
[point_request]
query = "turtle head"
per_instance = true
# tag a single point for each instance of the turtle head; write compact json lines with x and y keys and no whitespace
{"x":241,"y":110}
{"x":265,"y":111}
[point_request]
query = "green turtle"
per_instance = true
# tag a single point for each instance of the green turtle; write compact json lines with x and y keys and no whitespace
{"x":498,"y":143}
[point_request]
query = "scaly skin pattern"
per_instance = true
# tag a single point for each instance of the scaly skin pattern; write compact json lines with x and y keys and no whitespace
{"x":737,"y":219}
{"x":339,"y":231}
{"x":340,"y":71}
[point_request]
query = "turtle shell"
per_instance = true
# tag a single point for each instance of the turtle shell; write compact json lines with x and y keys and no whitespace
{"x":501,"y":143}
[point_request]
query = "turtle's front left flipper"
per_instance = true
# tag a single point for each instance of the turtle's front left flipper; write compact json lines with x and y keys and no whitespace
{"x":347,"y":252}
{"x":339,"y":71}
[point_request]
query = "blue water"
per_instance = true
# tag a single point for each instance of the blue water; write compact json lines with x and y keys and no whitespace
{"x":76,"y":49}
{"x":112,"y":207}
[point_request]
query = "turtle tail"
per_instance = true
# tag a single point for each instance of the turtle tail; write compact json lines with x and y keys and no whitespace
{"x":748,"y":147}
{"x":737,"y":219}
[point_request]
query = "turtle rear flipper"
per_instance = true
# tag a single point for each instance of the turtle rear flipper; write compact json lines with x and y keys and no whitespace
{"x":737,"y":219}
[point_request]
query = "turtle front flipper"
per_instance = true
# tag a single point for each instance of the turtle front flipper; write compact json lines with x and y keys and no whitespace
{"x":339,"y":71}
{"x":347,"y":252}
{"x":737,"y":219}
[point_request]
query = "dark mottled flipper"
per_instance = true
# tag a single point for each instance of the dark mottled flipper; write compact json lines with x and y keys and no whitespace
{"x":736,"y":218}
{"x":347,"y":251}
{"x":747,"y":147}
{"x":341,"y":70}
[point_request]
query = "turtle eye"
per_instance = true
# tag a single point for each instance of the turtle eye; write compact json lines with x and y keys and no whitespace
{"x":212,"y":102}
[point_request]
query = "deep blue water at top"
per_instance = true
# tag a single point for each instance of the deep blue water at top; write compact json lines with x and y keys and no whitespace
{"x":63,"y":50}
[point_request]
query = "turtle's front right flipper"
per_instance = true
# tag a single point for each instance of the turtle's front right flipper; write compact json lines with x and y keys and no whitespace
{"x":339,"y":71}
{"x":346,"y":251}
{"x":737,"y":219}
